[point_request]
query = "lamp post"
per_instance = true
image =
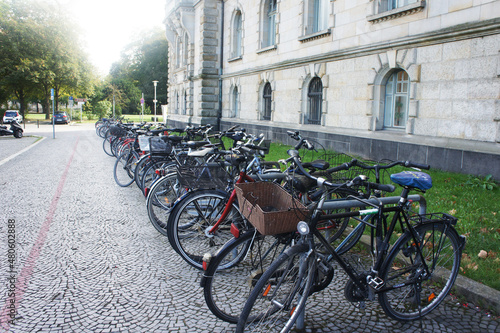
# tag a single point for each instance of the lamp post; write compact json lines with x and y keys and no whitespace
{"x":154,"y":100}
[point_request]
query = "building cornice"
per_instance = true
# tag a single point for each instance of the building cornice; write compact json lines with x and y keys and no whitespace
{"x":452,"y":34}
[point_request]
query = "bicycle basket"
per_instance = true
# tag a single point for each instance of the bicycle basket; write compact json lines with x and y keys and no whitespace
{"x":116,"y":130}
{"x":336,"y":159}
{"x":269,"y":208}
{"x":206,"y":176}
{"x":144,"y":142}
{"x":158,"y":146}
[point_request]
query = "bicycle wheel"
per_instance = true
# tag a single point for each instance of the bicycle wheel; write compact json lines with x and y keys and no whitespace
{"x":281,"y":293}
{"x":412,"y":292}
{"x":106,"y":144}
{"x":234,"y":271}
{"x":193,"y":217}
{"x":139,"y":170}
{"x":149,"y":175}
{"x":160,"y":200}
{"x":124,"y":168}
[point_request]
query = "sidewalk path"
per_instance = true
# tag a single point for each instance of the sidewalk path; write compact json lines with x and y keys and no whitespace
{"x":87,"y":258}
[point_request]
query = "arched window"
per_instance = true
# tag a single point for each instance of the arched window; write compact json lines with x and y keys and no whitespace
{"x":237,"y":35}
{"x":267,"y":100}
{"x":235,"y":103}
{"x":315,"y":101}
{"x":186,"y":49}
{"x":269,"y":23}
{"x":396,"y":100}
{"x":179,"y":52}
{"x":184,"y":106}
{"x":177,"y":102}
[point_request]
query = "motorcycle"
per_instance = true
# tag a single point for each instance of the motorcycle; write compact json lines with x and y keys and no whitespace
{"x":15,"y":129}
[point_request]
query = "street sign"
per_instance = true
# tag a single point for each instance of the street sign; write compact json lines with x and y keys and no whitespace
{"x":142,"y":100}
{"x":52,"y":94}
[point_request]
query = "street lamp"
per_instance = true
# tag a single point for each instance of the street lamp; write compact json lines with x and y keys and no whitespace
{"x":154,"y":100}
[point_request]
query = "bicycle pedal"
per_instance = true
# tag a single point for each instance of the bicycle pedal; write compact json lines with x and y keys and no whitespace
{"x":376,"y":282}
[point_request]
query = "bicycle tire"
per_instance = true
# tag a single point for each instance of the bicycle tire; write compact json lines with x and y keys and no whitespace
{"x":149,"y":176}
{"x":145,"y":159}
{"x":106,"y":145}
{"x":193,"y":216}
{"x":160,"y":201}
{"x":281,"y":293}
{"x":417,"y":299}
{"x":235,"y":270}
{"x":123,"y":170}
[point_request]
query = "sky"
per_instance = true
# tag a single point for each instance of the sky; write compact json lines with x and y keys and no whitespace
{"x":109,"y":25}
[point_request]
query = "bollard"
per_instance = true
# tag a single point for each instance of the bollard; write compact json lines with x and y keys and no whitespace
{"x":37,"y":123}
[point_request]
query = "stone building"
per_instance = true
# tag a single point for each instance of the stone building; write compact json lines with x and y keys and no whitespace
{"x":394,"y":79}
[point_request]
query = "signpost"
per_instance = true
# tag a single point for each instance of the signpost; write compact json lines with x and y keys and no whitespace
{"x":70,"y":103}
{"x":53,"y":114}
{"x":142,"y":105}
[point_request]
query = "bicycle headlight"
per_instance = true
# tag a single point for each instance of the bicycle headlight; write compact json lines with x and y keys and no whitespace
{"x":303,"y":228}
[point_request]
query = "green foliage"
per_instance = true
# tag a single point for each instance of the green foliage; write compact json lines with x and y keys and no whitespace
{"x":487,"y":183}
{"x":40,"y":50}
{"x":102,"y":109}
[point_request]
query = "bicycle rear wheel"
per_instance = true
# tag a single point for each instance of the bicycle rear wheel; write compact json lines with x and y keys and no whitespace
{"x":193,"y":217}
{"x":281,"y":293}
{"x":160,"y":200}
{"x":124,"y":168}
{"x":412,"y":292}
{"x":234,"y":271}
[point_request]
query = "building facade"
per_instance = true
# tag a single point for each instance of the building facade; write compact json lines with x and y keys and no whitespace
{"x":393,"y":79}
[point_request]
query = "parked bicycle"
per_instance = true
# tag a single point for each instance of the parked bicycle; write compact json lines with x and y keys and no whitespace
{"x":410,"y":278}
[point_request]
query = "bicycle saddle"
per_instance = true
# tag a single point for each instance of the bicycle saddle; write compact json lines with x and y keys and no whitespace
{"x":415,"y":179}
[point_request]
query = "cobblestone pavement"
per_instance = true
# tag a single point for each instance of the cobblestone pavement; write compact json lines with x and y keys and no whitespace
{"x":88,"y":259}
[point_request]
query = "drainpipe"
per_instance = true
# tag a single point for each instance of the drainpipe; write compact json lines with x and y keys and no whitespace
{"x":221,"y":65}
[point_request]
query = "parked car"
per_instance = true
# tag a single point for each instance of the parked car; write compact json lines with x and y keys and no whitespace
{"x":12,"y":115}
{"x":61,"y":117}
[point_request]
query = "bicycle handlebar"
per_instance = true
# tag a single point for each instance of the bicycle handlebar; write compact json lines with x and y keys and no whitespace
{"x":294,"y":155}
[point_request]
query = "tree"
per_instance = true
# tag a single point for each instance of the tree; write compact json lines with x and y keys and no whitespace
{"x":39,"y":52}
{"x":143,"y":61}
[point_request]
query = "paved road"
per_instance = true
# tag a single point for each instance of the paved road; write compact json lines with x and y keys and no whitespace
{"x":88,"y":260}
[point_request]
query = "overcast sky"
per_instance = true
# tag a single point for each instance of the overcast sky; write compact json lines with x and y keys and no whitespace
{"x":109,"y":25}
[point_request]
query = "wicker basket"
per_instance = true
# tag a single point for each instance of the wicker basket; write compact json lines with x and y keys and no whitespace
{"x":269,"y":208}
{"x":207,"y":176}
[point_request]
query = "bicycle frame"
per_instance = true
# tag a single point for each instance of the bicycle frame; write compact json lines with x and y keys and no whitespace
{"x":399,"y":216}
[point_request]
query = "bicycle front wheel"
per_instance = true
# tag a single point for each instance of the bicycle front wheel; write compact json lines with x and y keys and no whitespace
{"x":235,"y":270}
{"x":412,"y":291}
{"x":192,"y":219}
{"x":280,"y":295}
{"x":124,"y":168}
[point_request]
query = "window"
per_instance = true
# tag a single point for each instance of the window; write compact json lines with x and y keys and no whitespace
{"x":186,"y":49}
{"x":267,"y":99}
{"x":237,"y":35}
{"x":315,"y":101}
{"x":317,"y":18}
{"x":269,"y":20}
{"x":385,"y":5}
{"x":235,"y":103}
{"x":177,"y":102}
{"x":184,"y":106}
{"x":179,"y":52}
{"x":396,"y":100}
